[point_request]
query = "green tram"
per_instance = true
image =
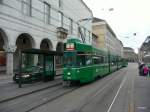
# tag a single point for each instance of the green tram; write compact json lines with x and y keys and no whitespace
{"x":84,"y":63}
{"x":124,"y":62}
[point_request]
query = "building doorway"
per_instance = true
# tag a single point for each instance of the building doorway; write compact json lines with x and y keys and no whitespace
{"x":46,"y":45}
{"x":59,"y":59}
{"x":24,"y":41}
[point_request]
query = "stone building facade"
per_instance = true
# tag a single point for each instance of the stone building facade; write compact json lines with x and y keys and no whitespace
{"x":129,"y":54}
{"x":106,"y":37}
{"x":95,"y":40}
{"x":144,"y":51}
{"x":37,"y":24}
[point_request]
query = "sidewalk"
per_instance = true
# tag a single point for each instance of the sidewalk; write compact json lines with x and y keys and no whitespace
{"x":5,"y":76}
{"x":2,"y":69}
{"x":9,"y":89}
{"x":142,"y":94}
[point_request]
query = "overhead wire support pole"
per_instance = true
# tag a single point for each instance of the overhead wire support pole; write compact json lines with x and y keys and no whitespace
{"x":20,"y":69}
{"x":80,"y":28}
{"x":82,"y":37}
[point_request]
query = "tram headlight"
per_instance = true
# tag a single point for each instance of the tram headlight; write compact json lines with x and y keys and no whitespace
{"x":26,"y":76}
{"x":69,"y":73}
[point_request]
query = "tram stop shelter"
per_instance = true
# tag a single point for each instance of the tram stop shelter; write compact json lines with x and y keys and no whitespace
{"x":36,"y":64}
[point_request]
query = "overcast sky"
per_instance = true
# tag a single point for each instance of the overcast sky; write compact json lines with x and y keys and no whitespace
{"x":127,"y":18}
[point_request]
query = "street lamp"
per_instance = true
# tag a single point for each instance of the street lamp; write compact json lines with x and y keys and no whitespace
{"x":109,"y":9}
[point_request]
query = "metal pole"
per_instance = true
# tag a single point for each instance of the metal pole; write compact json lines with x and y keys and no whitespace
{"x":109,"y":59}
{"x":44,"y":67}
{"x":20,"y":69}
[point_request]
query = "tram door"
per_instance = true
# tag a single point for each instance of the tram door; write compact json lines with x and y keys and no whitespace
{"x":49,"y":71}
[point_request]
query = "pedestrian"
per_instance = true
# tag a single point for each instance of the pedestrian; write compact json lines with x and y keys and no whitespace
{"x":145,"y":70}
{"x":141,"y":69}
{"x":148,"y":71}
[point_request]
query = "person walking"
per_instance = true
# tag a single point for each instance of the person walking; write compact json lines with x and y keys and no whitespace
{"x":148,"y":71}
{"x":141,"y":66}
{"x":145,"y":70}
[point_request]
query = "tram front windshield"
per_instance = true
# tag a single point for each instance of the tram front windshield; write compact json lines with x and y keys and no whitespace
{"x":69,"y":59}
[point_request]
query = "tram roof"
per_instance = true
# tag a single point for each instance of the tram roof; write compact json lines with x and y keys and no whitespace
{"x":39,"y":51}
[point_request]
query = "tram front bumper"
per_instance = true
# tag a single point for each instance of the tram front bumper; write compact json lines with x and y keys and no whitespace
{"x":70,"y":74}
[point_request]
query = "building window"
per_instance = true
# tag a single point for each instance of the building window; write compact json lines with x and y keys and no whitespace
{"x":61,"y":19}
{"x":84,"y":29}
{"x":27,"y":7}
{"x":60,"y":3}
{"x":89,"y":35}
{"x":1,"y":1}
{"x":24,"y":41}
{"x":78,"y":30}
{"x":71,"y":26}
{"x":47,"y":11}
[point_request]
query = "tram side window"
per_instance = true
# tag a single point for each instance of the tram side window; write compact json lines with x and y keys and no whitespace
{"x":102,"y":59}
{"x":95,"y":60}
{"x":88,"y":60}
{"x":111,"y":60}
{"x":84,"y":60}
{"x":98,"y":59}
{"x":114,"y":61}
{"x":81,"y":60}
{"x":105,"y":59}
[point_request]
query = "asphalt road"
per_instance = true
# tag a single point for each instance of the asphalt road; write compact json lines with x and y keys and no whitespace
{"x":121,"y":91}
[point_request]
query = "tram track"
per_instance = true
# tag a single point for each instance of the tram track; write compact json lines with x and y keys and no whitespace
{"x":31,"y":92}
{"x":52,"y":99}
{"x":52,"y":93}
{"x":98,"y":91}
{"x":30,"y":102}
{"x":105,"y":81}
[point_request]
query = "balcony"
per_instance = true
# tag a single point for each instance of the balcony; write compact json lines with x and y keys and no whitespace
{"x":62,"y":32}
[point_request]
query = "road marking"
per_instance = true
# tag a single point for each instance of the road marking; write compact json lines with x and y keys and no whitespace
{"x":121,"y":85}
{"x":104,"y":87}
{"x":98,"y":92}
{"x":131,"y":104}
{"x":5,"y":82}
{"x":142,"y":108}
{"x":45,"y":99}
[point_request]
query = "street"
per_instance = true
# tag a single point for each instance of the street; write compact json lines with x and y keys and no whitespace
{"x":121,"y":91}
{"x":74,"y":56}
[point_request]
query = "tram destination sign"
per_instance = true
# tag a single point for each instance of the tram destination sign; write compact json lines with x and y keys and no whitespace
{"x":70,"y":46}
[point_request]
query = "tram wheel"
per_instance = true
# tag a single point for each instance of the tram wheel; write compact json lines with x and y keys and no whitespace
{"x":67,"y":83}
